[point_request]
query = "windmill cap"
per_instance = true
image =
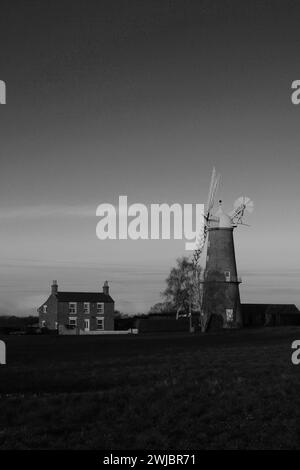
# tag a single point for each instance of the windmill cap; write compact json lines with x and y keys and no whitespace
{"x":224,"y":219}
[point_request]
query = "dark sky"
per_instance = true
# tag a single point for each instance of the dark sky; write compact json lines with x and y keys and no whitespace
{"x":142,"y":98}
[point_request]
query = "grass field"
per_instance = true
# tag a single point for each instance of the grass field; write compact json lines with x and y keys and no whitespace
{"x":234,"y":390}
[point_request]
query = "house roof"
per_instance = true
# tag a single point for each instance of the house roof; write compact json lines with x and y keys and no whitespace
{"x":84,"y":297}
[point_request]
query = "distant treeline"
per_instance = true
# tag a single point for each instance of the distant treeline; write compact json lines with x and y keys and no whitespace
{"x":12,"y":323}
{"x":126,"y":322}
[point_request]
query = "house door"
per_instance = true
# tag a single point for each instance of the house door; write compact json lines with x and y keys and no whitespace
{"x":86,"y":325}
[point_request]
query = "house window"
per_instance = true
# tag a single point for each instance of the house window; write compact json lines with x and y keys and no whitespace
{"x":43,"y":324}
{"x":86,"y":307}
{"x":229,"y":315}
{"x":72,"y":307}
{"x":100,"y":323}
{"x":73,"y":321}
{"x":227,"y":276}
{"x":100,"y":307}
{"x":44,"y":308}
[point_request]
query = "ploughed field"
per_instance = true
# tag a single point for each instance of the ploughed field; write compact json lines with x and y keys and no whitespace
{"x":232,"y":390}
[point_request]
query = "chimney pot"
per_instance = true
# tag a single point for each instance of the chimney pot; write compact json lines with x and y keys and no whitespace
{"x":54,"y":287}
{"x":106,"y":288}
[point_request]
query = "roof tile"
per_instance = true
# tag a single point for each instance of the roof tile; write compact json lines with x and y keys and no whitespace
{"x":83,"y":297}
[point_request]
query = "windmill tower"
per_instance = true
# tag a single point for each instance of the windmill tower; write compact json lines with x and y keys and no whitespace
{"x":219,"y":297}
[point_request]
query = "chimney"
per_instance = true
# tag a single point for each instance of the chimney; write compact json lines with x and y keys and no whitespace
{"x":106,"y":288}
{"x":54,"y":287}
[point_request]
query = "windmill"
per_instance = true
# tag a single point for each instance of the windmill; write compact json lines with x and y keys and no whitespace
{"x":197,"y":293}
{"x":216,"y":293}
{"x":195,"y":282}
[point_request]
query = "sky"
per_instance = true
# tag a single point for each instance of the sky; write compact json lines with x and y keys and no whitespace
{"x":142,"y":98}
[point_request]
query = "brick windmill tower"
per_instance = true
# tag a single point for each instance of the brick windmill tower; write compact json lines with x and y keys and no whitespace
{"x":219,"y":298}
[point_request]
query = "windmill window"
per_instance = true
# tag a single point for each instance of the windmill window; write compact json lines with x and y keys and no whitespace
{"x":229,"y":315}
{"x":45,"y":309}
{"x":227,"y":276}
{"x":43,"y":324}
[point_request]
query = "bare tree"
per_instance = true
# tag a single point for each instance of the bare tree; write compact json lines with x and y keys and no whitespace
{"x":183,"y":284}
